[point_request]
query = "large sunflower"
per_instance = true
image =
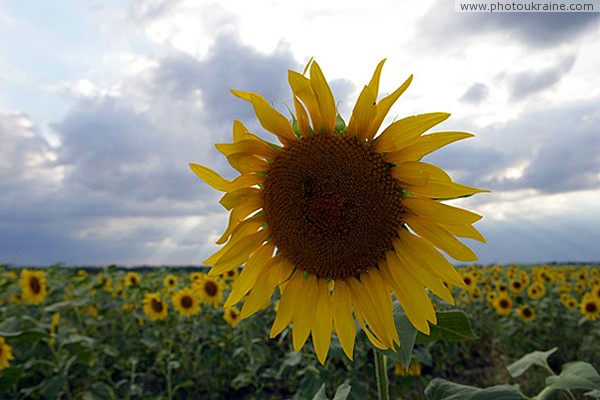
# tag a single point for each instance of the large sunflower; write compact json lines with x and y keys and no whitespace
{"x":33,"y":286}
{"x":326,"y":216}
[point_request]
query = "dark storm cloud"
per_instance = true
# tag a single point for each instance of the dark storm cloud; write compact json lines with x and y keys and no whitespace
{"x":525,"y":83}
{"x":475,"y":94}
{"x":558,"y":145}
{"x":441,"y":25}
{"x":126,"y":156}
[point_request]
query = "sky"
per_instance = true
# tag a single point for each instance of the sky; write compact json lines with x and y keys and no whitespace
{"x":103,"y":104}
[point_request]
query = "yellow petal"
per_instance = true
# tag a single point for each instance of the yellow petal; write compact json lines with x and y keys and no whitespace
{"x":323,"y":322}
{"x":274,"y":273}
{"x":405,"y":131}
{"x":324,"y":99}
{"x":287,"y":303}
{"x":409,"y":265}
{"x":213,"y":179}
{"x":411,"y":174}
{"x":269,"y":118}
{"x":345,"y":326}
{"x":239,"y":214}
{"x":304,"y":313}
{"x":239,"y":232}
{"x":379,"y":294}
{"x":438,"y":189}
{"x":239,"y":130}
{"x":236,"y":197}
{"x":302,"y":89}
{"x":239,"y":252}
{"x":384,"y":105}
{"x":362,"y":115}
{"x":250,"y":273}
{"x":428,"y":257}
{"x":440,"y":238}
{"x":424,"y":145}
{"x":436,"y":211}
{"x":465,"y":231}
{"x":247,"y":164}
{"x":413,"y":299}
{"x":374,"y":83}
{"x":247,"y":146}
{"x":363,"y":303}
{"x":302,"y":117}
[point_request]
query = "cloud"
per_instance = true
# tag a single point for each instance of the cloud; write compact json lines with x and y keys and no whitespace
{"x":125,"y":191}
{"x":475,"y":94}
{"x":549,"y":150}
{"x":441,"y":24}
{"x":525,"y":83}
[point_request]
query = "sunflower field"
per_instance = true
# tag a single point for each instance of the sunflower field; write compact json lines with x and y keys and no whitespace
{"x":163,"y":333}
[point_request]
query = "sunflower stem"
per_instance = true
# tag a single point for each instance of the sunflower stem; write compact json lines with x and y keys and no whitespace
{"x":383,"y":384}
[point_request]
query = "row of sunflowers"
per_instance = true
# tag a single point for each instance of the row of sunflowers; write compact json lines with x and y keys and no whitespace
{"x":116,"y":333}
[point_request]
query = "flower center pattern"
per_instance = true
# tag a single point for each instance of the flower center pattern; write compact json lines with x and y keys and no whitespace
{"x":332,"y":206}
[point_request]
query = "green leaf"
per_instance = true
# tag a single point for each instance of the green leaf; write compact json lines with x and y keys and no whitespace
{"x":440,"y":389}
{"x":406,"y":333}
{"x":8,"y":378}
{"x":28,"y":336}
{"x":452,"y":325}
{"x":56,"y":307}
{"x":576,"y":375}
{"x":342,"y":392}
{"x":539,"y":358}
{"x":594,"y":393}
{"x":321,"y":394}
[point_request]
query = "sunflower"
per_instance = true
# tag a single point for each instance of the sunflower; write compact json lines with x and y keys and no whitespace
{"x":526,"y":313}
{"x":155,"y":307}
{"x":210,"y":290}
{"x":33,"y":286}
{"x":170,"y":281}
{"x":326,"y":216}
{"x":590,"y":307}
{"x":503,"y":304}
{"x":516,"y":286}
{"x":186,"y":302}
{"x":596,"y":291}
{"x":536,"y":290}
{"x":469,"y":280}
{"x":194,"y":276}
{"x":232,"y":316}
{"x":132,"y":279}
{"x":5,"y":354}
{"x":414,"y":369}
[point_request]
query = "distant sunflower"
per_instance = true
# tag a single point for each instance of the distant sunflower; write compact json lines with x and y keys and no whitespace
{"x":232,"y":316}
{"x":194,"y":276}
{"x":155,"y":307}
{"x":503,"y":304}
{"x":132,"y":279}
{"x":5,"y":354}
{"x":516,"y":286}
{"x":210,"y":290}
{"x":33,"y":286}
{"x":526,"y":313}
{"x":596,"y":291}
{"x":170,"y":281}
{"x":590,"y":307}
{"x":186,"y":302}
{"x":339,"y":217}
{"x":469,"y":280}
{"x":536,"y":290}
{"x":414,"y":369}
